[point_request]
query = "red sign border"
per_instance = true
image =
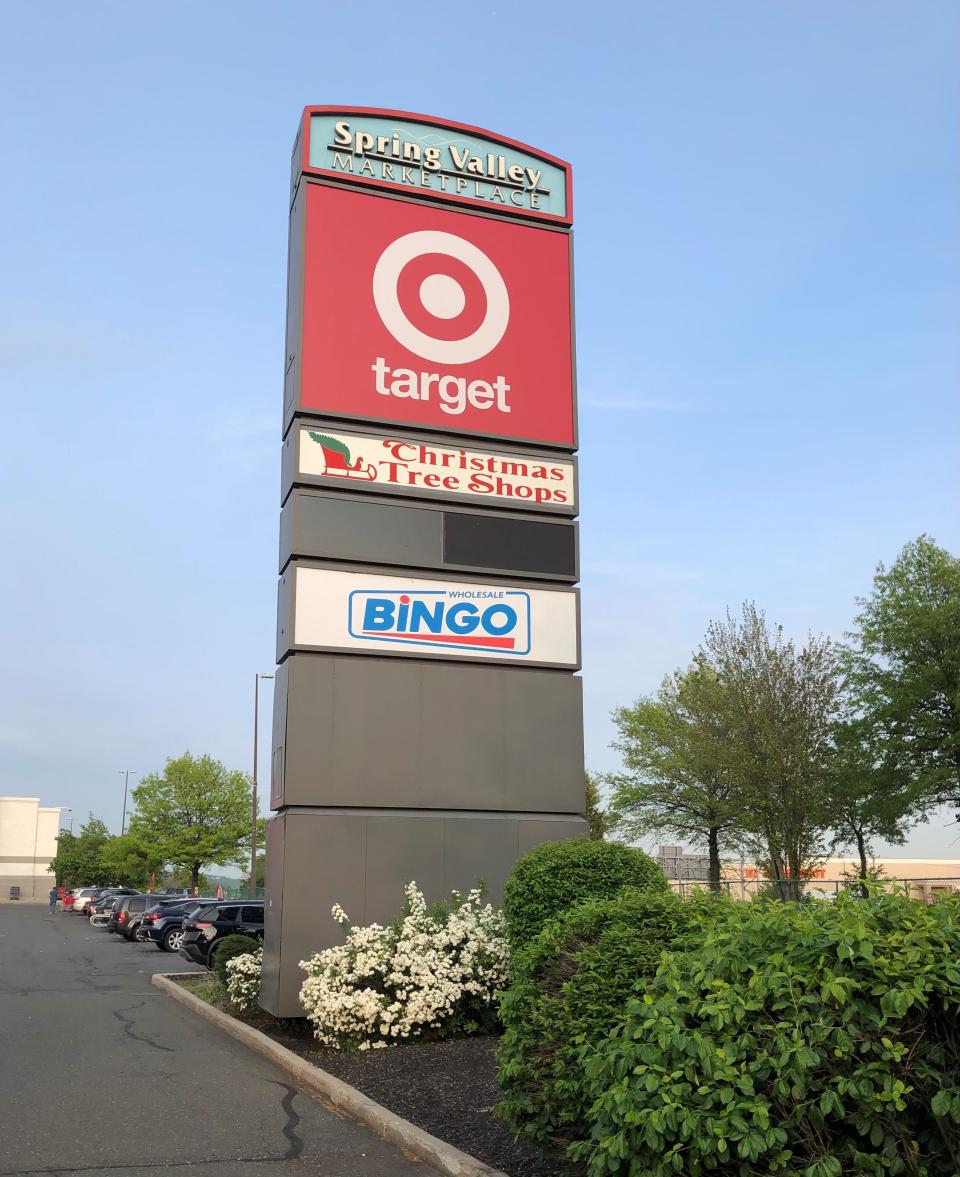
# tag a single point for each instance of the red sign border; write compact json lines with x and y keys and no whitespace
{"x":305,"y":168}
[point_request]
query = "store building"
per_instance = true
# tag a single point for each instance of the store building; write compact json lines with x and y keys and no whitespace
{"x":930,"y":879}
{"x":28,"y":842}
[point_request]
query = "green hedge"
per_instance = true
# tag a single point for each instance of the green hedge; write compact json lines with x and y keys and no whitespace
{"x":229,"y":947}
{"x":816,"y":1040}
{"x":557,"y":875}
{"x":568,"y":990}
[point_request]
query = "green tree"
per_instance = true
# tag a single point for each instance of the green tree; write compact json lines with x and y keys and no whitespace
{"x":64,"y":864}
{"x":903,"y":669}
{"x":77,"y":862}
{"x":128,"y":861}
{"x":261,"y":874}
{"x":864,"y":808}
{"x":183,"y":878}
{"x":196,"y":813}
{"x":678,"y":782}
{"x":779,"y":704}
{"x":595,"y":813}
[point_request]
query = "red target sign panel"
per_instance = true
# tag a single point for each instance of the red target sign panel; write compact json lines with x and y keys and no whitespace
{"x":432,"y":318}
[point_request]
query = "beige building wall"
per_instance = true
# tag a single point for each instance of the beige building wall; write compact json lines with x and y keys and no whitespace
{"x":929,"y":878}
{"x":28,"y":841}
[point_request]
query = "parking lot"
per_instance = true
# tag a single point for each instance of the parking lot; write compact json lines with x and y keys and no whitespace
{"x":100,"y":1073}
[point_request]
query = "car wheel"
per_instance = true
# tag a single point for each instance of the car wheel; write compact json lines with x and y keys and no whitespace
{"x":172,"y":940}
{"x":140,"y":934}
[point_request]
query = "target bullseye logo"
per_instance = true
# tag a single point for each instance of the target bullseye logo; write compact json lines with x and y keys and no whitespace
{"x":433,"y":318}
{"x":442,"y":296}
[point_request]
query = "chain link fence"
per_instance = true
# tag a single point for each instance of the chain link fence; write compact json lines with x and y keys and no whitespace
{"x":926,"y":890}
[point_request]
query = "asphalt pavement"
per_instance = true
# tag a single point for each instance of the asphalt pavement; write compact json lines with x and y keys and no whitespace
{"x":100,"y":1073}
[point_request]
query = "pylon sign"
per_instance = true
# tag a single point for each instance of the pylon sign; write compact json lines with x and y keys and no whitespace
{"x":427,"y":714}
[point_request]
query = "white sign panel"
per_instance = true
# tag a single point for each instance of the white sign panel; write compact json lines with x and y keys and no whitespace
{"x":355,"y":460}
{"x":404,"y":615}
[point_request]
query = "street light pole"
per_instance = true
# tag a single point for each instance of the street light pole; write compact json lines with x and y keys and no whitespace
{"x":126,"y":780}
{"x":36,"y":835}
{"x":253,"y":814}
{"x":63,"y":809}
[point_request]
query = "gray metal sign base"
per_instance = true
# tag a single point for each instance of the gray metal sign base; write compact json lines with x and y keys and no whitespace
{"x":362,"y":858}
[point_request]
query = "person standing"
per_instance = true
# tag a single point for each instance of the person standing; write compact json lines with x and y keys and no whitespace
{"x":53,"y":899}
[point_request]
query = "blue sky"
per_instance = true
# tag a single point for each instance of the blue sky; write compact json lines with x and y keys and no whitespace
{"x":767,"y":301}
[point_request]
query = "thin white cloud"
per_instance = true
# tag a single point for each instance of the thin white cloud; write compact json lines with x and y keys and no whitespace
{"x":242,"y":425}
{"x":641,"y":406}
{"x":57,"y":347}
{"x":648,"y":571}
{"x":20,"y":739}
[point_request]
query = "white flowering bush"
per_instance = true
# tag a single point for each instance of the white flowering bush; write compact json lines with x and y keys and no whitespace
{"x":433,"y":973}
{"x":243,"y":979}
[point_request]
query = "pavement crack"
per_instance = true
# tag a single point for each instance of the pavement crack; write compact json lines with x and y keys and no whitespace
{"x":160,"y":1166}
{"x":293,"y":1119}
{"x":129,"y":1023}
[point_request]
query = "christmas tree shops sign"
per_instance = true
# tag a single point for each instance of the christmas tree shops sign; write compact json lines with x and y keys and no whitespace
{"x":350,"y":460}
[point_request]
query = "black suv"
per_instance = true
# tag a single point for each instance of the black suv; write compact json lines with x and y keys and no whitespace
{"x":157,"y":905}
{"x":163,"y":926}
{"x":226,"y":917}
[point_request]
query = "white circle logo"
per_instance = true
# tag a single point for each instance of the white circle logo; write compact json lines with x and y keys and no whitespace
{"x":441,"y":296}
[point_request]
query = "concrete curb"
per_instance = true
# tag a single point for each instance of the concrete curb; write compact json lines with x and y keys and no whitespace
{"x":442,"y":1156}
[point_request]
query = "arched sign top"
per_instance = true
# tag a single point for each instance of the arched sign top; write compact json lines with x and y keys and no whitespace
{"x":432,"y":158}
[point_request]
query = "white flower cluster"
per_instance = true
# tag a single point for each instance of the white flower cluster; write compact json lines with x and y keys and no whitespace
{"x":433,"y":971}
{"x":243,"y":979}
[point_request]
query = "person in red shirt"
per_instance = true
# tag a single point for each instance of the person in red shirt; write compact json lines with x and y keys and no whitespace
{"x":68,"y":901}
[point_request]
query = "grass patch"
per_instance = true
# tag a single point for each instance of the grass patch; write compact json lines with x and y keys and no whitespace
{"x":206,"y":987}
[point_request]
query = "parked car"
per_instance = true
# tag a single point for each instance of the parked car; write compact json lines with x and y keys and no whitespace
{"x":102,"y":910}
{"x":128,"y":912}
{"x":164,"y":927}
{"x":225,"y":917}
{"x":103,"y":904}
{"x":115,"y":923}
{"x":82,"y":895}
{"x":86,"y":906}
{"x":135,"y":927}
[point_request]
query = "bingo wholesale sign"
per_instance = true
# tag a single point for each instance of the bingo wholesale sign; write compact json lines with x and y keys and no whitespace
{"x":328,"y":609}
{"x":429,"y":317}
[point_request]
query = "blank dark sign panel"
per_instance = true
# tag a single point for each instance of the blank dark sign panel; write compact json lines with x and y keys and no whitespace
{"x":521,"y":545}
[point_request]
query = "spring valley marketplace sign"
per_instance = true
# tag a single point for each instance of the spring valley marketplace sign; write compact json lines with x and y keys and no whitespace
{"x":433,"y":158}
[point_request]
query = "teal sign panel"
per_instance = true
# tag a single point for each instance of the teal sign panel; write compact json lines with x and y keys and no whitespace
{"x":446,"y":162}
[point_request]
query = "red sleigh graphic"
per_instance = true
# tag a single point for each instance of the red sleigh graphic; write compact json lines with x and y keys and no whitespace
{"x":336,"y":456}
